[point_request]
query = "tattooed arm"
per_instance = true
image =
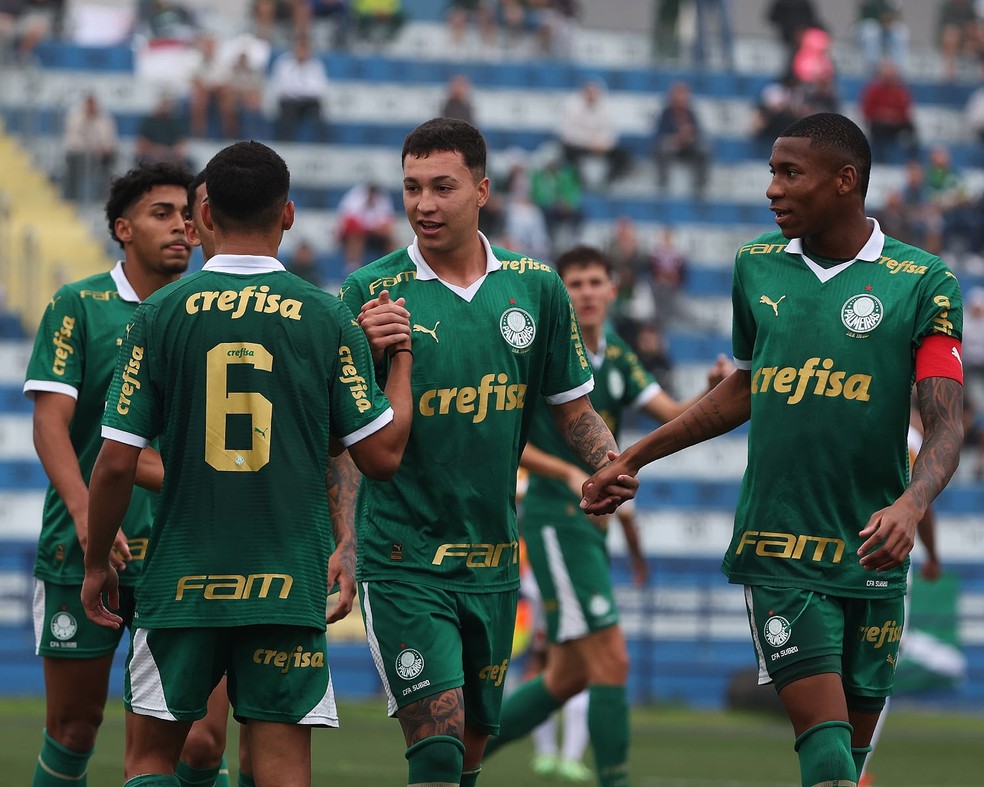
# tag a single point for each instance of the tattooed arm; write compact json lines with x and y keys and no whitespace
{"x":720,"y":410}
{"x":343,"y":485}
{"x":891,"y":531}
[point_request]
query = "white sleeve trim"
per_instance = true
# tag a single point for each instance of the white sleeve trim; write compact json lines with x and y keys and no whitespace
{"x":575,"y":393}
{"x":127,"y":438}
{"x":648,"y":393}
{"x":370,"y":428}
{"x":745,"y":366}
{"x":32,"y":386}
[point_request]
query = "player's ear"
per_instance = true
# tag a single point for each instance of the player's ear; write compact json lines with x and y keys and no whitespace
{"x":123,"y":229}
{"x":207,"y":215}
{"x":483,"y":192}
{"x":191,"y":234}
{"x":847,"y":179}
{"x":287,"y":219}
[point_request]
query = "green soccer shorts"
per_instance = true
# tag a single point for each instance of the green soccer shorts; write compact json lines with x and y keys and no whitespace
{"x":276,"y":673}
{"x":61,"y":629}
{"x":798,"y":633}
{"x":426,"y":640}
{"x":571,"y":566}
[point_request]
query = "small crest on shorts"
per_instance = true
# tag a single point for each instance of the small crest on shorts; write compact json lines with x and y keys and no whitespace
{"x":599,"y":606}
{"x":63,"y":626}
{"x":777,"y":631}
{"x":409,"y":664}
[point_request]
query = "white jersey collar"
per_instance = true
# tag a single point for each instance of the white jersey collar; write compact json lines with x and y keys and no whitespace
{"x":870,"y":252}
{"x":426,"y":273}
{"x":242,"y":263}
{"x":123,"y":286}
{"x":598,"y":358}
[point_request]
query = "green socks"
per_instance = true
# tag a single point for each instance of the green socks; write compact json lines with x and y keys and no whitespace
{"x":197,"y":777}
{"x":524,"y":709}
{"x":608,"y":728}
{"x":246,"y":780}
{"x":152,"y":780}
{"x":435,"y":761}
{"x":825,"y":755}
{"x":470,"y":778}
{"x":60,"y":767}
{"x":860,"y":755}
{"x":222,"y":779}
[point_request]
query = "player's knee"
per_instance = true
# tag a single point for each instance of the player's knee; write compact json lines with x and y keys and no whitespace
{"x":609,"y":664}
{"x":203,"y":747}
{"x":564,"y":682}
{"x":75,"y":731}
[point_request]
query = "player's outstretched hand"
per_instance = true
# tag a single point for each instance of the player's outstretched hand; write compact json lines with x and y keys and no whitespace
{"x":120,"y":553}
{"x":386,"y":324}
{"x":609,"y":487}
{"x":341,"y":571}
{"x":721,"y":368}
{"x":95,"y":584}
{"x":889,"y":536}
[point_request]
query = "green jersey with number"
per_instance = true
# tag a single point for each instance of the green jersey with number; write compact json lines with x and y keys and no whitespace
{"x":483,"y":356}
{"x":74,"y":354}
{"x":621,"y":382}
{"x":831,"y":355}
{"x":243,"y":370}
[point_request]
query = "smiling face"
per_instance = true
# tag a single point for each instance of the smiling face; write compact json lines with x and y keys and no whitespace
{"x":442,"y":198}
{"x":152,"y":231}
{"x":806,"y":188}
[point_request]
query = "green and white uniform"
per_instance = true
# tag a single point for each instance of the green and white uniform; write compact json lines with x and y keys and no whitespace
{"x":74,"y":354}
{"x":831,"y":349}
{"x":244,"y":370}
{"x":567,"y":550}
{"x":483,"y":355}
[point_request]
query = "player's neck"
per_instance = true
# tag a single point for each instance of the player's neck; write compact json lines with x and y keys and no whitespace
{"x":460,"y":267}
{"x":842,"y":242}
{"x":592,"y":337}
{"x":146,"y":282}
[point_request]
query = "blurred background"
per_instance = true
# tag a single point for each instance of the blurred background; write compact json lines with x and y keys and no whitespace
{"x":641,"y":126}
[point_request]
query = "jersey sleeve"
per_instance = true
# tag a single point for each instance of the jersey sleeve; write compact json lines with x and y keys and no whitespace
{"x":133,"y":413}
{"x":58,"y":360}
{"x":568,"y":374}
{"x":358,"y":405}
{"x":940,"y":308}
{"x":743,"y":322}
{"x":352,"y":295}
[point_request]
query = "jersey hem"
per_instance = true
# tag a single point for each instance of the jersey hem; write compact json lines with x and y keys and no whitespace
{"x":819,"y":587}
{"x":421,"y":579}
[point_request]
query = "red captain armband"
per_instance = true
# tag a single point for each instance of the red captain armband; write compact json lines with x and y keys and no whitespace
{"x":939,"y":356}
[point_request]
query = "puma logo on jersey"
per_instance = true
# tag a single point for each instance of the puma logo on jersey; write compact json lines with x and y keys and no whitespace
{"x":956,"y":355}
{"x":774,"y":304}
{"x":261,"y":431}
{"x":417,"y":328}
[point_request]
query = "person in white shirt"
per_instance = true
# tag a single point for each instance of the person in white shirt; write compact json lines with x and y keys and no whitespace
{"x":298,"y":81}
{"x":588,"y":129}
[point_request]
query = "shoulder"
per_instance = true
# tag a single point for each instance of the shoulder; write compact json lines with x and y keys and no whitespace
{"x":395,"y":265}
{"x":767,"y":244}
{"x":527,"y":267}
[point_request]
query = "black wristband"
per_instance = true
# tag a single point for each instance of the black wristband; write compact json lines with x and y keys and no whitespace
{"x":402,"y":350}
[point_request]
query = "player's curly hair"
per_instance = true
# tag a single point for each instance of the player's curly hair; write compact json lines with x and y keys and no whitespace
{"x":836,"y":133}
{"x":126,"y":190}
{"x":448,"y":135}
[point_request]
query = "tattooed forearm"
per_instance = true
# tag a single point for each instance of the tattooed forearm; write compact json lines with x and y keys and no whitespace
{"x":439,"y":714}
{"x":590,"y":438}
{"x":941,"y":410}
{"x":343,"y":479}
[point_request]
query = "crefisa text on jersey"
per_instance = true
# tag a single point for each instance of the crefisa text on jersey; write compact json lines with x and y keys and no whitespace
{"x":263,"y":302}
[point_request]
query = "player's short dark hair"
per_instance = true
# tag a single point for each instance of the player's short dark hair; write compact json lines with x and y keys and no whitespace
{"x":126,"y":190}
{"x":198,"y":180}
{"x":837,"y":134}
{"x":248,"y":186}
{"x":580,"y":257}
{"x":448,"y":135}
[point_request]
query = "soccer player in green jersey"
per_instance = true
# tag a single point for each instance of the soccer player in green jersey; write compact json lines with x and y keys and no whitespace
{"x":68,"y":375}
{"x":249,"y":375}
{"x":833,"y":321}
{"x":493,"y":332}
{"x":567,"y":550}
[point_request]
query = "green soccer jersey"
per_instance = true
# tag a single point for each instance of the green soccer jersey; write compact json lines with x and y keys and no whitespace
{"x":831,"y":356}
{"x":74,"y":354}
{"x":483,"y":356}
{"x":621,"y":382}
{"x":243,"y":370}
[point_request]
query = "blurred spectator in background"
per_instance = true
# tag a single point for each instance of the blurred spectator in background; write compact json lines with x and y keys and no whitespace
{"x":478,"y":11}
{"x":308,"y":14}
{"x":666,"y":30}
{"x":24,"y":24}
{"x":91,"y":148}
{"x":974,"y":113}
{"x":298,"y":82}
{"x":588,"y":134}
{"x":556,"y":26}
{"x":377,"y":22}
{"x":887,"y":107}
{"x":960,"y":32}
{"x":458,"y":100}
{"x":556,"y":189}
{"x":208,"y":86}
{"x":790,"y":18}
{"x":679,"y":137}
{"x":365,"y":224}
{"x":812,"y":61}
{"x":819,"y":96}
{"x":667,"y":273}
{"x":525,"y":228}
{"x":162,"y":135}
{"x":630,"y":264}
{"x":948,"y":193}
{"x":167,"y":20}
{"x":882,"y":33}
{"x":653,"y":350}
{"x":304,"y":263}
{"x":775,"y":110}
{"x":922,"y":217}
{"x":721,"y":11}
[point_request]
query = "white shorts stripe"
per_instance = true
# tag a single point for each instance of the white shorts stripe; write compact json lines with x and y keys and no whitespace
{"x":572,"y":623}
{"x":38,"y":614}
{"x":325,"y":713}
{"x":763,"y":677}
{"x":377,"y":656}
{"x":146,"y":687}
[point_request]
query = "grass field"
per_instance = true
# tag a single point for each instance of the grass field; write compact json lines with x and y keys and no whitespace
{"x":671,"y":748}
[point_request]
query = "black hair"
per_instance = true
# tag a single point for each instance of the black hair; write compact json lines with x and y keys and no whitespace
{"x":448,"y":135}
{"x":837,"y":134}
{"x":248,"y":184}
{"x":126,"y":190}
{"x":198,"y":180}
{"x":580,"y":257}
